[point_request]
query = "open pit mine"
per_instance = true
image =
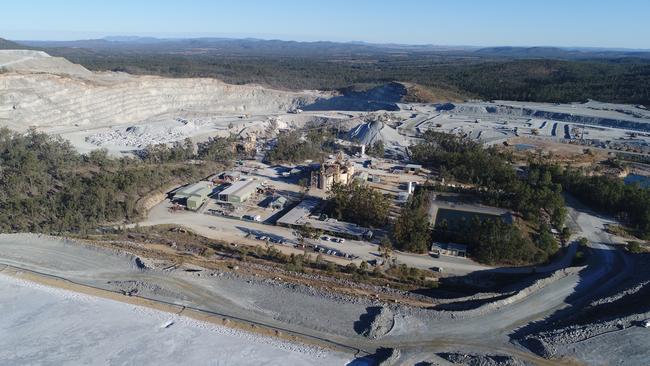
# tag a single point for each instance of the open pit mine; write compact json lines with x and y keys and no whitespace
{"x":560,"y":313}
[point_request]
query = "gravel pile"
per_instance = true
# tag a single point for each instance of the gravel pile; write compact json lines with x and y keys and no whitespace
{"x":481,"y":360}
{"x":376,"y":322}
{"x":142,"y":288}
{"x":388,"y":356}
{"x":627,"y":292}
{"x":370,"y":132}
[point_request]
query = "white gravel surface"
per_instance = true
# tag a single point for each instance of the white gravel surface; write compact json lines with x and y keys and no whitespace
{"x":47,"y":326}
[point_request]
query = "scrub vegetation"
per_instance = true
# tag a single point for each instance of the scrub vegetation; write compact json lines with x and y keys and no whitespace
{"x":47,"y":187}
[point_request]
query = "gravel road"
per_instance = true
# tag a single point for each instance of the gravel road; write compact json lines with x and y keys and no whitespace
{"x":304,"y":309}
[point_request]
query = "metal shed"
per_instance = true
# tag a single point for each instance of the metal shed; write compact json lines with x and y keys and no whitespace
{"x":239,"y":191}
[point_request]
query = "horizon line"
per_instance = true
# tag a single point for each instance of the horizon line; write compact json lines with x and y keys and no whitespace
{"x":371,"y":43}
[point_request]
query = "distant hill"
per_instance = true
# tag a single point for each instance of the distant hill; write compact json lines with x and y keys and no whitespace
{"x":10,"y":45}
{"x":561,"y":53}
{"x":262,"y":47}
{"x":235,"y":47}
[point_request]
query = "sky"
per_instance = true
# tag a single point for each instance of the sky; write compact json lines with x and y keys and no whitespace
{"x":567,"y":23}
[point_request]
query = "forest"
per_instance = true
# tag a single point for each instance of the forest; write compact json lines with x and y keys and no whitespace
{"x":531,"y":192}
{"x":296,"y":146}
{"x":493,"y":241}
{"x":358,"y":203}
{"x":539,"y":74}
{"x":411,"y":230}
{"x":490,"y":241}
{"x":624,"y":80}
{"x":47,"y":187}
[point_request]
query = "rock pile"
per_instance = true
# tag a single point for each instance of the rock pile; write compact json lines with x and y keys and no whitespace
{"x":481,"y":360}
{"x":376,"y":323}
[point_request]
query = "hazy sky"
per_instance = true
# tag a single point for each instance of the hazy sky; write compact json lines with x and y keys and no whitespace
{"x":597,"y":23}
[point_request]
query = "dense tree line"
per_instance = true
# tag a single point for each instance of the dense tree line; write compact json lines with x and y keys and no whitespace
{"x":542,"y":80}
{"x":293,"y":147}
{"x":217,"y":149}
{"x":532,"y":191}
{"x":467,"y":161}
{"x":493,"y":241}
{"x":629,"y":203}
{"x":359,"y":203}
{"x":178,"y":151}
{"x":412,"y":229}
{"x":46,"y":186}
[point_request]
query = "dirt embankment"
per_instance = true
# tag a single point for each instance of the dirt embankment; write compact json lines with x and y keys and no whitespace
{"x":608,"y":316}
{"x":416,"y":93}
{"x":497,"y":302}
{"x":146,"y":203}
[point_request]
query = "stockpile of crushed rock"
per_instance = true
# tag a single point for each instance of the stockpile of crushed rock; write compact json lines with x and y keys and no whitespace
{"x":376,"y":323}
{"x":370,"y":132}
{"x":473,"y":359}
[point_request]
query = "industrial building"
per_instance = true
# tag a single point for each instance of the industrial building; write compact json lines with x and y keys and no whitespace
{"x":300,"y":215}
{"x":338,"y":171}
{"x":239,"y":192}
{"x":193,"y":196}
{"x":450,"y":249}
{"x":413,"y":168}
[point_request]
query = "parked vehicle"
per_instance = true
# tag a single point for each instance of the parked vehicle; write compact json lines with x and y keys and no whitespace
{"x":437,"y":269}
{"x":257,"y":218}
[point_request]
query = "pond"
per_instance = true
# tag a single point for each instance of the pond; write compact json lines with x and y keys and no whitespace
{"x":642,"y":180}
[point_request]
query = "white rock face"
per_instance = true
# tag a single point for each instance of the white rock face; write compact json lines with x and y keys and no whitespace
{"x":38,"y":62}
{"x":41,"y":91}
